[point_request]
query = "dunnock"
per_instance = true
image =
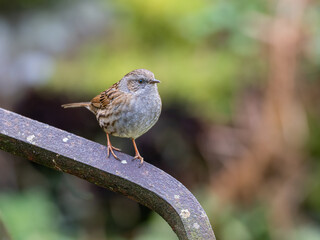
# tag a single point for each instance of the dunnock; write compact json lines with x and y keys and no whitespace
{"x":128,"y":109}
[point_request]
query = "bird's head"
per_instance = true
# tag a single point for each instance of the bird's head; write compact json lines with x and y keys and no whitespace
{"x":140,"y":81}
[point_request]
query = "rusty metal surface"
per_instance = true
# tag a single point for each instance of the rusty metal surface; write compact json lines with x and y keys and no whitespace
{"x":75,"y":155}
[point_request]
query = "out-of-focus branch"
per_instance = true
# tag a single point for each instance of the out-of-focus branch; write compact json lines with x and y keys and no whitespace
{"x":269,"y":165}
{"x":284,"y":121}
{"x":69,"y":153}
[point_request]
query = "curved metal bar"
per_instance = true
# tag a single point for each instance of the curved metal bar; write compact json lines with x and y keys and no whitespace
{"x":75,"y":155}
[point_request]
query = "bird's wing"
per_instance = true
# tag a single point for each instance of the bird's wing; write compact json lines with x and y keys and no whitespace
{"x":106,"y":97}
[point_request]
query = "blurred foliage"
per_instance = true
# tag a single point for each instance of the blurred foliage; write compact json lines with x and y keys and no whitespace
{"x":156,"y":229}
{"x":203,"y":86}
{"x":197,"y":49}
{"x":30,"y":215}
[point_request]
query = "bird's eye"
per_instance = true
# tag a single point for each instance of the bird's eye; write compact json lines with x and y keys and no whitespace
{"x":140,"y":80}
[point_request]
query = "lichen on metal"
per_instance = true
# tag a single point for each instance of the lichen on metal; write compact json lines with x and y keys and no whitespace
{"x":75,"y":155}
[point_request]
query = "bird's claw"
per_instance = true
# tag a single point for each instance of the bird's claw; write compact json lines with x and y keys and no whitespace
{"x":140,"y":158}
{"x":110,"y":148}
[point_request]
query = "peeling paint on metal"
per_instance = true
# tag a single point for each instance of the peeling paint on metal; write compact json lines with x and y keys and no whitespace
{"x":4,"y":132}
{"x":185,"y":213}
{"x":30,"y":139}
{"x":196,"y":225}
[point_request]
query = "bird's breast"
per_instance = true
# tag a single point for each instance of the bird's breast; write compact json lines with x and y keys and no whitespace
{"x":136,"y":118}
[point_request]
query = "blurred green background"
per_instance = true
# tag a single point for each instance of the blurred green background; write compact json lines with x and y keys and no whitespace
{"x":240,"y":89}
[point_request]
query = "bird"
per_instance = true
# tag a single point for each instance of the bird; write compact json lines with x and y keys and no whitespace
{"x":128,"y":109}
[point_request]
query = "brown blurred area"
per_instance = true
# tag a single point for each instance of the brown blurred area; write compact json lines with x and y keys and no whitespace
{"x":270,"y":128}
{"x":262,"y":154}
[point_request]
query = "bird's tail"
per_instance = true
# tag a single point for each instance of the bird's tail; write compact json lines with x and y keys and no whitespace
{"x":75,"y":105}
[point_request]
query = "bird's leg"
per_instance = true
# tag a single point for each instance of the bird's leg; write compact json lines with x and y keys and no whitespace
{"x":137,"y":156}
{"x":110,"y":148}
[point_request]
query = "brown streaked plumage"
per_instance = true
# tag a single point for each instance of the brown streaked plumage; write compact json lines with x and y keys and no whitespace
{"x":129,"y":108}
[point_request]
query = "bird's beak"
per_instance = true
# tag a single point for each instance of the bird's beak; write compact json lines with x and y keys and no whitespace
{"x":155,"y":81}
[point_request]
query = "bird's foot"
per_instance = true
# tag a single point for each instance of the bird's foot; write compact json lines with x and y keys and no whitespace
{"x":140,"y":158}
{"x":110,"y":148}
{"x":117,"y":149}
